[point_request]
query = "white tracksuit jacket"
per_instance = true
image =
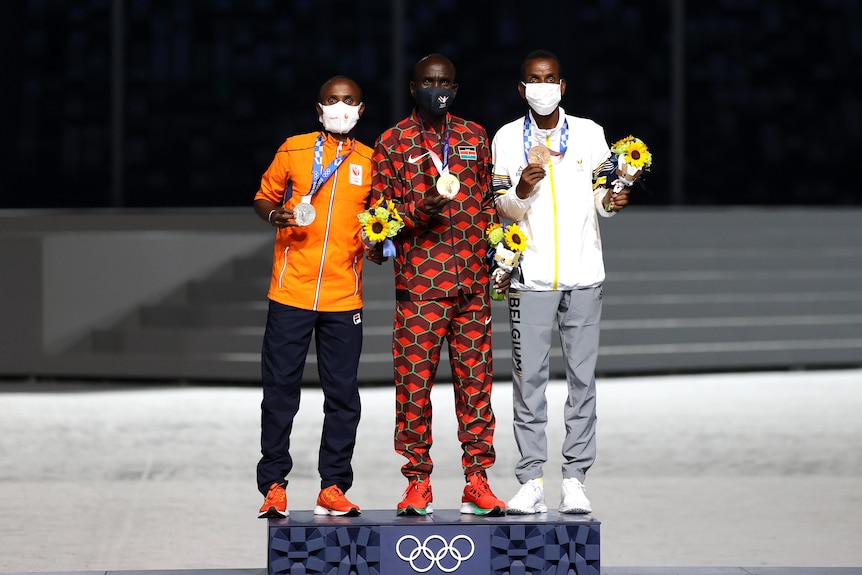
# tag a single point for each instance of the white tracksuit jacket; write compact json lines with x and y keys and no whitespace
{"x":560,"y":219}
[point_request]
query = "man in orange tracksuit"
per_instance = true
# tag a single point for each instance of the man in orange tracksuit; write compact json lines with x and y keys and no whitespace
{"x":313,"y":191}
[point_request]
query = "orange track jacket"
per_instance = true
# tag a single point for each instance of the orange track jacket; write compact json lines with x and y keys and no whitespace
{"x":319,"y":267}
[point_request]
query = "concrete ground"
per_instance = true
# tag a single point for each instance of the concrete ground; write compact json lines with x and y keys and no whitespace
{"x":743,"y":469}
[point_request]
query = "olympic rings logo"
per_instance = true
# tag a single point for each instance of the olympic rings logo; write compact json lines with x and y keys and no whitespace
{"x":422,"y":553}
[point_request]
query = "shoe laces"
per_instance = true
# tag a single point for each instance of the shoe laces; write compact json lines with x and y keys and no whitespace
{"x":332,"y":493}
{"x":533,"y":486}
{"x":479,"y":484}
{"x":416,"y":485}
{"x":276,"y":494}
{"x":573,"y":483}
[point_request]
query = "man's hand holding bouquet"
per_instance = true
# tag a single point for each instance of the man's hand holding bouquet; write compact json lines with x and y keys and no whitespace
{"x":630,"y":158}
{"x":505,"y":248}
{"x":379,"y":223}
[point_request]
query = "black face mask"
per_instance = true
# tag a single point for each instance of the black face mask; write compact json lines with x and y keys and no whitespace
{"x":434,"y":100}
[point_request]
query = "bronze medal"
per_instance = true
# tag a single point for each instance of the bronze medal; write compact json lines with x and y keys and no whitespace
{"x":539,"y":155}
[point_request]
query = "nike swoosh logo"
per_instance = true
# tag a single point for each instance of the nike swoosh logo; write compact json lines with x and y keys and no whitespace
{"x":415,"y":159}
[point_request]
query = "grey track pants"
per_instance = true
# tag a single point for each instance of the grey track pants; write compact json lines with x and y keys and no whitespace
{"x":532,"y":315}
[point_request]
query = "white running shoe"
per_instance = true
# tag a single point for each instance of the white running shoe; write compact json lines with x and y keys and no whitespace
{"x":573,"y":497}
{"x":529,"y":499}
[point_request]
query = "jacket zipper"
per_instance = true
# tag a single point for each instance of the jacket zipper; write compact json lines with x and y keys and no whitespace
{"x":326,"y":234}
{"x":355,"y":276}
{"x":283,"y":266}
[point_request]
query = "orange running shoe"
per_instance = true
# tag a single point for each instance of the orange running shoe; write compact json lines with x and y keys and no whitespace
{"x":332,"y":501}
{"x":275,"y":504}
{"x":478,"y":499}
{"x":417,"y":498}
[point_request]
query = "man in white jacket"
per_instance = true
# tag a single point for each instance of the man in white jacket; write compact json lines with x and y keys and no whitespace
{"x":545,"y":164}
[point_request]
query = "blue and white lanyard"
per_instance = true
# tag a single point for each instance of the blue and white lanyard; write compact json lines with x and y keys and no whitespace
{"x":528,"y":135}
{"x":319,"y":175}
{"x":441,"y":165}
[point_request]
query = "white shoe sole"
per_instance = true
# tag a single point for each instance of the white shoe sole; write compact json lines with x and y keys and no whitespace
{"x":533,"y":511}
{"x":318,"y":510}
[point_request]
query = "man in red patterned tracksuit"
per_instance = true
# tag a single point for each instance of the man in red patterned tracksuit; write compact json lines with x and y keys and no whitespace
{"x":441,"y":282}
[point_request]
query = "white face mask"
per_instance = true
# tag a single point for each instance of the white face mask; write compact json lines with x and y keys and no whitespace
{"x":339,"y":118}
{"x":543,"y":97}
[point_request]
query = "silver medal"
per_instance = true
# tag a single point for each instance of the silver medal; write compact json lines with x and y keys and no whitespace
{"x":304,"y":214}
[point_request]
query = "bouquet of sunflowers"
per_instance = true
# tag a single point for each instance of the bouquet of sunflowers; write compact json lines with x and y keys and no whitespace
{"x":506,"y":246}
{"x":630,"y":158}
{"x":379,"y":223}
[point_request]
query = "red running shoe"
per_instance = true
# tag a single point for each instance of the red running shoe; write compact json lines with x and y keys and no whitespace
{"x":332,"y":501}
{"x":275,"y":504}
{"x":478,"y":499}
{"x":417,"y":498}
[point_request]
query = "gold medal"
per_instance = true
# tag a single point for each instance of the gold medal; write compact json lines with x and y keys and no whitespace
{"x":448,"y":186}
{"x":304,"y":214}
{"x":539,"y":155}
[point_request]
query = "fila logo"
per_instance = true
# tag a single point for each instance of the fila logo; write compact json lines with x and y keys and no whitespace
{"x":415,"y":159}
{"x":357,"y":318}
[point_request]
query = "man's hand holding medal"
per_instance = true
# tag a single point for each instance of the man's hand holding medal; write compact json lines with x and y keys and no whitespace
{"x":433,"y":203}
{"x":282,"y":217}
{"x":301,"y":215}
{"x":538,"y":157}
{"x":447,"y":188}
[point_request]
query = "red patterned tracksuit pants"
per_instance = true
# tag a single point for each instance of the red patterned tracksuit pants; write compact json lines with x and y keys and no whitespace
{"x":421,"y":327}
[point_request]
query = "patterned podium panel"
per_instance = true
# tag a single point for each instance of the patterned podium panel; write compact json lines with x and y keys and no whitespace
{"x":380,"y":543}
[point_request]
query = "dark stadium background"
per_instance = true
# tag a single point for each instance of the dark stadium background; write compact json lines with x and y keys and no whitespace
{"x":148,"y":104}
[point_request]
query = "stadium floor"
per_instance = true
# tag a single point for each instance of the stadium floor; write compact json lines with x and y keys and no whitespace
{"x":715,"y":474}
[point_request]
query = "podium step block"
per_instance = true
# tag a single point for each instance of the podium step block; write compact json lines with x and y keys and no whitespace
{"x":445,"y":542}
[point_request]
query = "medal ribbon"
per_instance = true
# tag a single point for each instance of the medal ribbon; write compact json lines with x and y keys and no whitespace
{"x":528,"y":134}
{"x":319,"y":174}
{"x":441,"y":165}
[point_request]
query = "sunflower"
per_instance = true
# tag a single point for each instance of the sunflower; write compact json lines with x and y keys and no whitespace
{"x":638,"y":155}
{"x":376,"y":229}
{"x":492,"y":227}
{"x":515,"y":238}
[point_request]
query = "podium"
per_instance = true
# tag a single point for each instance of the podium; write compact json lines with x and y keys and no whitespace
{"x":445,"y":542}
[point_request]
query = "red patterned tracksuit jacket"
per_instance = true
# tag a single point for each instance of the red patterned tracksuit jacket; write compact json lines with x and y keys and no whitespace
{"x":441,"y":284}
